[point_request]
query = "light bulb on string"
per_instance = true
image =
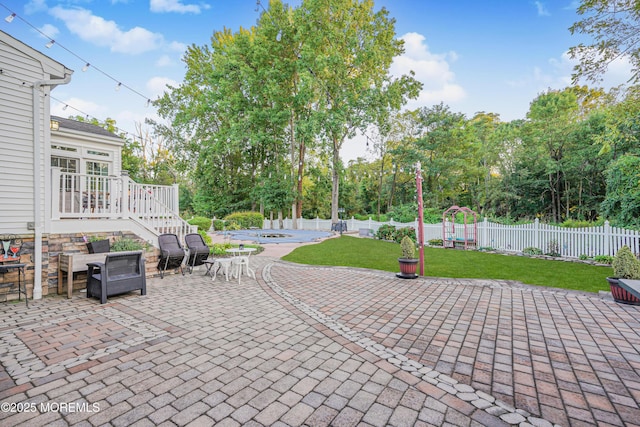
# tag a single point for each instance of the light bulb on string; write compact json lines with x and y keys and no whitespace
{"x":51,"y":43}
{"x":118,"y":86}
{"x":10,"y":18}
{"x":86,"y":67}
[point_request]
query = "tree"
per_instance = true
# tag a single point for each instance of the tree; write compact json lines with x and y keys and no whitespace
{"x":348,"y":51}
{"x":613,"y":24}
{"x":622,"y":203}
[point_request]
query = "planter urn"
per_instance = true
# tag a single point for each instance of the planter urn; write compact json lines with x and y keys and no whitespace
{"x":621,"y":295}
{"x":408,"y":267}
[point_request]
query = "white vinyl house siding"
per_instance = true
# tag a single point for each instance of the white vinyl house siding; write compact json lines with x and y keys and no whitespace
{"x":21,"y":66}
{"x":16,"y":138}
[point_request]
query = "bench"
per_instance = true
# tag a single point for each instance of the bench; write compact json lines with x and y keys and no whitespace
{"x":121,"y":272}
{"x":73,"y":263}
{"x":632,"y":287}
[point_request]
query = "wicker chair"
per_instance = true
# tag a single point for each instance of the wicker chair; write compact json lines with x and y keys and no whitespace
{"x":198,"y":250}
{"x":171,"y":254}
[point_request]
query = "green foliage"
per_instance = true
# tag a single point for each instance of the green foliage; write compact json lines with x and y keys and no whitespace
{"x":603,"y":259}
{"x":391,"y":232}
{"x":403,"y":232}
{"x":612,"y":27}
{"x":126,"y":244}
{"x":381,"y":255}
{"x":218,"y":224}
{"x":206,"y":237}
{"x":625,"y":264}
{"x":386,"y":232}
{"x":404,"y":213}
{"x":622,"y":202}
{"x":203,"y":223}
{"x":244,"y":220}
{"x":408,"y":248}
{"x":575,"y":223}
{"x":435,"y":242}
{"x":219,"y":249}
{"x":231,"y":225}
{"x":531,"y":250}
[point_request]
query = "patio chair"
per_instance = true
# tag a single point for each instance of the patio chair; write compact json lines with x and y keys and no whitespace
{"x":198,"y":250}
{"x":171,"y":254}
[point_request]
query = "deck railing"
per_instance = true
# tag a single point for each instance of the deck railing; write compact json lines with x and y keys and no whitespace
{"x":77,"y":195}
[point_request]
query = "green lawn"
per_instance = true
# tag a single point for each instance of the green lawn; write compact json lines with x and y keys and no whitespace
{"x":376,"y":254}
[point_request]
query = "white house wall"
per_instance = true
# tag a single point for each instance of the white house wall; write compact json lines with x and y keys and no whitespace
{"x":21,"y":67}
{"x":16,"y":139}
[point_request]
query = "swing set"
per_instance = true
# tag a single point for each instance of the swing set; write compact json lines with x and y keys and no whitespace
{"x":462,"y":235}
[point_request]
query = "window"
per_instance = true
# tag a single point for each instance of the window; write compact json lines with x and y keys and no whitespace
{"x":97,"y":168}
{"x":67,"y":183}
{"x":64,"y":163}
{"x":98,"y":153}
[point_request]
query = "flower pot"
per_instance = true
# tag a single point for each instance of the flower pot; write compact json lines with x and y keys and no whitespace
{"x":98,"y":247}
{"x":620,"y":294}
{"x":408,"y":267}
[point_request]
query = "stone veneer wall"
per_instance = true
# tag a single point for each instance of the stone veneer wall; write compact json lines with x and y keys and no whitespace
{"x":75,"y":243}
{"x":52,"y":246}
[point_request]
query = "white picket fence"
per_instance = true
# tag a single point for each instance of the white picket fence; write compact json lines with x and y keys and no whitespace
{"x":570,"y":242}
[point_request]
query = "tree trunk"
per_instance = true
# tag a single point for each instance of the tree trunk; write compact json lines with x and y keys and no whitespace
{"x":300,"y":176}
{"x":393,"y":188}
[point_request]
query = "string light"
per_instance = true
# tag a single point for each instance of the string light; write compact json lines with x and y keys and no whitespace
{"x":51,"y":42}
{"x":88,"y":117}
{"x":118,"y":86}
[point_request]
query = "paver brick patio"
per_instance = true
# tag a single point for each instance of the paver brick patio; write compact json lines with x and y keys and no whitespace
{"x":321,"y":346}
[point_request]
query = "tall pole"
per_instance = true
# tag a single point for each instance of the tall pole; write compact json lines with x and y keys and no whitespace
{"x":420,"y":217}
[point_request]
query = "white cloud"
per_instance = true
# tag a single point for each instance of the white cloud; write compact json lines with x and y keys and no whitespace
{"x":78,"y":107}
{"x":164,"y":61}
{"x":431,"y":69}
{"x":161,"y":6}
{"x":101,"y":32}
{"x":177,"y":47}
{"x":34,"y":6}
{"x":557,"y":75}
{"x":50,"y":30}
{"x":156,"y":86}
{"x":542,"y":9}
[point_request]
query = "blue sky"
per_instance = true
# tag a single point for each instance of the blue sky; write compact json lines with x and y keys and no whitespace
{"x":494,"y":56}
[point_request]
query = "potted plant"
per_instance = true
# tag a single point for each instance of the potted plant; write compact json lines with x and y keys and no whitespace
{"x":625,"y":266}
{"x":408,"y":262}
{"x":98,"y":245}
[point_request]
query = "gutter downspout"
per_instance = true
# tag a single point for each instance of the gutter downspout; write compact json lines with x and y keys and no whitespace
{"x":37,"y":207}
